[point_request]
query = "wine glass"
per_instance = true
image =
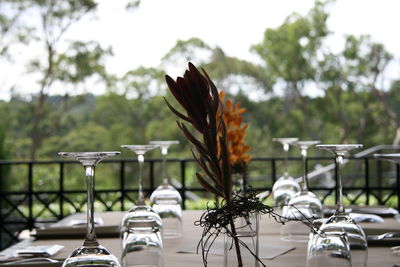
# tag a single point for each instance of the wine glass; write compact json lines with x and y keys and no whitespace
{"x":328,"y":250}
{"x":303,"y":207}
{"x":285,"y":187}
{"x":340,"y":221}
{"x":166,"y":200}
{"x":141,"y":227}
{"x":91,"y":253}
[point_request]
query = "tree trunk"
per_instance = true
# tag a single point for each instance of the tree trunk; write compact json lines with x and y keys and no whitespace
{"x":37,"y":134}
{"x":396,"y":140}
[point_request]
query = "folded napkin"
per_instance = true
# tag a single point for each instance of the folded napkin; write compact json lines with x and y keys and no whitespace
{"x":39,"y":251}
{"x":32,"y":264}
{"x":74,"y":232}
{"x":82,"y":222}
{"x":377,"y":210}
{"x":361,"y":217}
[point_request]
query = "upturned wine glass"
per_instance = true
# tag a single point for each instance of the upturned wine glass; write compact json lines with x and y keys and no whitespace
{"x":340,"y":221}
{"x":286,"y":186}
{"x":166,"y":200}
{"x":91,"y":253}
{"x":303,"y":207}
{"x":141,"y":227}
{"x":328,"y":250}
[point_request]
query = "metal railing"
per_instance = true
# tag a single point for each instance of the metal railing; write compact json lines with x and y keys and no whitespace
{"x":33,"y":206}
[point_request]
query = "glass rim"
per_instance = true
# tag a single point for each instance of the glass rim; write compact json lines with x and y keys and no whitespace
{"x":162,"y":143}
{"x":306,"y":143}
{"x":339,"y":147}
{"x":285,"y":140}
{"x":140,"y":149}
{"x":89,"y":154}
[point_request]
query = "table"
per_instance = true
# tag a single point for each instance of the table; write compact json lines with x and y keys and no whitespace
{"x":269,"y":234}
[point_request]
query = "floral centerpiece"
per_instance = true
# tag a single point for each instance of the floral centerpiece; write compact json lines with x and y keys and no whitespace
{"x":232,"y":115}
{"x":203,"y":124}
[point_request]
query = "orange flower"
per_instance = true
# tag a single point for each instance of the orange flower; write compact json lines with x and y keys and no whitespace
{"x":236,"y":133}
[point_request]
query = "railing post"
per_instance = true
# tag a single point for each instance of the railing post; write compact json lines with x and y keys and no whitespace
{"x":152,"y":184}
{"x":273,"y":166}
{"x":122,"y":184}
{"x":398,"y":185}
{"x":1,"y":206}
{"x":336,"y":182}
{"x":245,"y":183}
{"x":30,"y":195}
{"x":306,"y":169}
{"x":380,"y":179}
{"x":367,"y":186}
{"x":61,"y":192}
{"x":183,"y":182}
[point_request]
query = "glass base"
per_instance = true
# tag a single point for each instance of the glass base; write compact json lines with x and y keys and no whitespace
{"x":295,"y":231}
{"x":97,"y":256}
{"x":171,"y":216}
{"x":342,"y":223}
{"x":169,"y":232}
{"x":165,"y":194}
{"x":141,"y":216}
{"x":167,"y":204}
{"x":303,"y":205}
{"x":141,"y":234}
{"x":284,"y":189}
{"x":142,"y":248}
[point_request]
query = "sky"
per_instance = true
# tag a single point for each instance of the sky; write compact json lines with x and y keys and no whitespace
{"x":141,"y":37}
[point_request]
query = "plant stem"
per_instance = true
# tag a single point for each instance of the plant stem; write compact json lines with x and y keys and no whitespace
{"x":236,"y":241}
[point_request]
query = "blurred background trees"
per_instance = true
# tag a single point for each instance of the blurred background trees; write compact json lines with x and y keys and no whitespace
{"x":278,"y":90}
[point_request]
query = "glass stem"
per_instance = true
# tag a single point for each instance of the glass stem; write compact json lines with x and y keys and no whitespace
{"x":140,"y":193}
{"x":304,"y":168}
{"x":285,"y":162}
{"x":164,"y":153}
{"x":90,"y":239}
{"x":339,"y":204}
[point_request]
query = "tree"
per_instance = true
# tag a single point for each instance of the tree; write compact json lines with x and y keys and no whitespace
{"x":12,"y":30}
{"x":290,"y":50}
{"x":56,"y":18}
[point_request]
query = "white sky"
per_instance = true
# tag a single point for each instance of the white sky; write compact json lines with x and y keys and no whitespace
{"x":143,"y":36}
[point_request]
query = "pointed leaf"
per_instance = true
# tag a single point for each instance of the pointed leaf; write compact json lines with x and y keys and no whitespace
{"x":177,"y":113}
{"x":207,"y":186}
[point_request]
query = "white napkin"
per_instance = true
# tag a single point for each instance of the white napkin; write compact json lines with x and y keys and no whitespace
{"x":39,"y":251}
{"x":82,"y":222}
{"x":372,"y":218}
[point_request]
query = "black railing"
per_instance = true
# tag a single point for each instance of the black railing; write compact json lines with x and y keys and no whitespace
{"x":27,"y":201}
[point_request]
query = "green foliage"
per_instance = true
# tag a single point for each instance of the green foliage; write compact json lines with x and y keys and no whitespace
{"x":290,"y":50}
{"x":81,"y":61}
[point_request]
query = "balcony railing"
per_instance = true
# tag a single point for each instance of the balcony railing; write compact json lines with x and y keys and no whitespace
{"x":28,"y":200}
